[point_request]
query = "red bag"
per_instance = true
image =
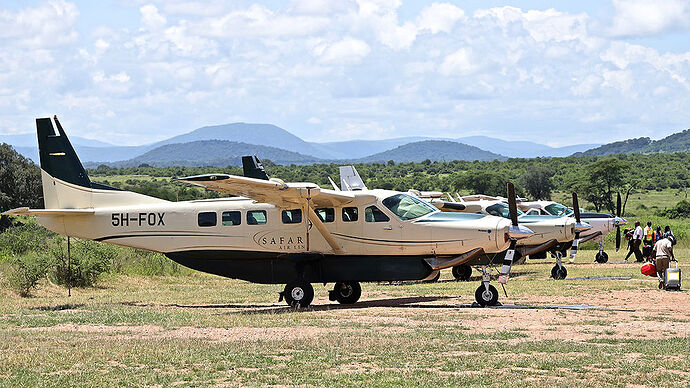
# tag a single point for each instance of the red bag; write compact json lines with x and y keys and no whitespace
{"x":648,"y":269}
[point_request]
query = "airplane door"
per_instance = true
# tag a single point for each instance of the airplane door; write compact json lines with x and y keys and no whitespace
{"x":383,"y":232}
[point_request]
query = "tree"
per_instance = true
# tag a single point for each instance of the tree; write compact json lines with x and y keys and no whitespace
{"x":600,"y":182}
{"x":537,"y":182}
{"x":482,"y":182}
{"x":20,"y":182}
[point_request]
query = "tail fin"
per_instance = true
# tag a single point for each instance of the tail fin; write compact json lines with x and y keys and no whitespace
{"x":253,"y":168}
{"x":65,"y":182}
{"x":58,"y":158}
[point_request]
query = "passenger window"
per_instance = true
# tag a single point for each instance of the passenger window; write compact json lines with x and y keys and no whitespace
{"x":207,"y":219}
{"x":326,"y":214}
{"x":350,"y":214}
{"x":293,"y":216}
{"x":256,"y":217}
{"x":374,"y":214}
{"x":231,"y":218}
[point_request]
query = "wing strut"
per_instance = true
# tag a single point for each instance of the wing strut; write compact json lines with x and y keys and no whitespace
{"x":316,"y":221}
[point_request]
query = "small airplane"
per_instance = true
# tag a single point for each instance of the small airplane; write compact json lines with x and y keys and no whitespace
{"x":275,"y":232}
{"x":554,"y":234}
{"x":602,"y":223}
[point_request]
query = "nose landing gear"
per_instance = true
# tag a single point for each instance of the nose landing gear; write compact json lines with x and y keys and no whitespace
{"x":486,"y":294}
{"x":558,"y":272}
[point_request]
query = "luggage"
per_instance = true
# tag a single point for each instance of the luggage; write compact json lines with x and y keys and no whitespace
{"x":672,"y":277}
{"x":648,"y":269}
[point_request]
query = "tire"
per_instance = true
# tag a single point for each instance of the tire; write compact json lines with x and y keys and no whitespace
{"x":601,"y":257}
{"x":298,"y":293}
{"x":485,"y":298}
{"x":347,"y":292}
{"x":559,"y":273}
{"x":462,"y":272}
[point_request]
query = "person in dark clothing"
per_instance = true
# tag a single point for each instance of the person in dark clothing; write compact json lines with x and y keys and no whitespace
{"x":668,"y":233}
{"x":637,"y":241}
{"x":628,"y":233}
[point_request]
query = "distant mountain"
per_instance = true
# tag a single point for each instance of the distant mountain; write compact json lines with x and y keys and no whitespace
{"x":259,"y":134}
{"x":441,"y":150}
{"x":677,"y":142}
{"x":213,"y":153}
{"x":522,"y":149}
{"x":354,"y":149}
{"x":29,"y":140}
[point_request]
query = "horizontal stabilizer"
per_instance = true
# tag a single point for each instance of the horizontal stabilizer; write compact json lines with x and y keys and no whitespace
{"x":25,"y":211}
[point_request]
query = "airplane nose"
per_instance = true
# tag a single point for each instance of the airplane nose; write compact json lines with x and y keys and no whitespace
{"x":581,"y":226}
{"x":519,"y":231}
{"x":619,"y":221}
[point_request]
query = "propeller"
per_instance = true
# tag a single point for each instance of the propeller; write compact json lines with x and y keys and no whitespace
{"x":515,"y":233}
{"x":618,"y":226}
{"x":576,"y":241}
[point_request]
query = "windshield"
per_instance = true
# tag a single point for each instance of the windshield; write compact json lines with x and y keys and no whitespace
{"x":407,"y":207}
{"x":501,"y":210}
{"x":556,"y":209}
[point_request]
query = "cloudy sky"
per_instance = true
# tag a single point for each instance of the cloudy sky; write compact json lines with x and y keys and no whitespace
{"x":132,"y":72}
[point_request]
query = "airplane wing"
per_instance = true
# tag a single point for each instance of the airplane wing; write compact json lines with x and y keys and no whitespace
{"x":25,"y":211}
{"x":271,"y":191}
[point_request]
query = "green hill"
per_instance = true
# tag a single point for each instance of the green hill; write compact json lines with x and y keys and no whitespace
{"x":213,"y":153}
{"x":435,"y":150}
{"x":678,"y":142}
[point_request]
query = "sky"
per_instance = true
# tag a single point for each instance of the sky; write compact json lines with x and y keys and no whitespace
{"x":132,"y":72}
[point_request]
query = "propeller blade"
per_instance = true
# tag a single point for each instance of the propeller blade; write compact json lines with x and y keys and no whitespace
{"x":512,"y":204}
{"x":573,"y":248}
{"x":618,"y":205}
{"x":576,"y":207}
{"x":507,"y":263}
{"x":618,"y":238}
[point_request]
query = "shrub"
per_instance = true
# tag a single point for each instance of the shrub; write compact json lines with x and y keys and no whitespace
{"x":89,"y":260}
{"x":147,"y":263}
{"x":24,"y":272}
{"x":23,"y":238}
{"x":681,"y":210}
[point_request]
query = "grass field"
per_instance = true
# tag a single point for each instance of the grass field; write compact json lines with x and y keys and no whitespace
{"x":203,"y":330}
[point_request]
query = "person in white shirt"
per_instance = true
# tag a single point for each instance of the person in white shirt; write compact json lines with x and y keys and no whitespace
{"x":637,"y":241}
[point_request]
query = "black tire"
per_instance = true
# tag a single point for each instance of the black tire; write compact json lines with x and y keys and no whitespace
{"x":559,"y":273}
{"x":298,"y":293}
{"x":485,"y":298}
{"x":601,"y":257}
{"x":347,"y":292}
{"x":462,"y":272}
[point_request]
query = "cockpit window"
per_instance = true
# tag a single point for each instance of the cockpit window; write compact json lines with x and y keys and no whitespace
{"x":501,"y":210}
{"x":556,"y":209}
{"x":407,"y":207}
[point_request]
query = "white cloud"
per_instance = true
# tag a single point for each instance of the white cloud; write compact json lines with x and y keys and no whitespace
{"x":47,"y":25}
{"x":460,"y":62}
{"x":151,"y":19}
{"x":439,"y":17}
{"x":348,"y":51}
{"x":649,"y":17}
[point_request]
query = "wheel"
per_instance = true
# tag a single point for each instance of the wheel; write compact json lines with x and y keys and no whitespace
{"x":298,"y":293}
{"x":601,"y":257}
{"x":559,"y":273}
{"x":486,"y":298}
{"x":347,"y":292}
{"x":462,"y":272}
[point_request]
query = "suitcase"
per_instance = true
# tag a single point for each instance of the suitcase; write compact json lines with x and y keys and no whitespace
{"x":672,"y":277}
{"x":648,"y":269}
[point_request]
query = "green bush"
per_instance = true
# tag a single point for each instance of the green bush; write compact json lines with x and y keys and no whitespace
{"x":21,"y":239}
{"x":681,"y":210}
{"x":147,"y":263}
{"x":89,"y":260}
{"x":22,"y":273}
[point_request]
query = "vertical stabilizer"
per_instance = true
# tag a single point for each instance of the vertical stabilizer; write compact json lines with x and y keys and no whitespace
{"x":350,"y":179}
{"x":58,"y":158}
{"x":252,"y":167}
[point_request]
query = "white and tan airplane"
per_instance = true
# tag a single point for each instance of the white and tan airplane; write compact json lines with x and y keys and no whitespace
{"x":276,"y":232}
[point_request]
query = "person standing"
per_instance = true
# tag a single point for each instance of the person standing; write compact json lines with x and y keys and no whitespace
{"x":669,"y":233}
{"x":658,"y":235}
{"x":647,"y":241}
{"x":629,"y":237}
{"x":637,"y":241}
{"x":663,"y":253}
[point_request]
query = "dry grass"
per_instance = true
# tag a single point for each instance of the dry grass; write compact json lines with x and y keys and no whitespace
{"x":209,"y":331}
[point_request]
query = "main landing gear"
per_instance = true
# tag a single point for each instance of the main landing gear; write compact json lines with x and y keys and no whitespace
{"x":601,"y":256}
{"x":558,"y":272}
{"x":486,"y":294}
{"x":299,"y":293}
{"x":462,"y":272}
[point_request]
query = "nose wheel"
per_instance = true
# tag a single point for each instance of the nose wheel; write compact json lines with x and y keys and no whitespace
{"x":486,"y":294}
{"x":558,"y":272}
